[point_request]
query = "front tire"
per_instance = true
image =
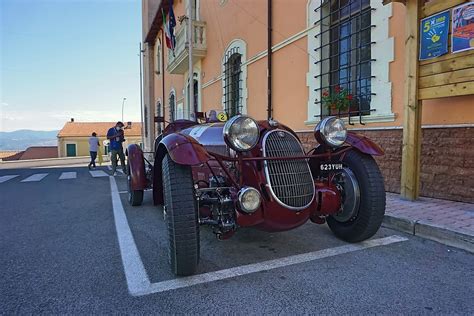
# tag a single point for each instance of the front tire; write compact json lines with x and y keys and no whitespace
{"x":370,"y":209}
{"x":181,"y":217}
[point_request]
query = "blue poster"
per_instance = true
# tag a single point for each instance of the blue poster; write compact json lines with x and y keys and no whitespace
{"x":434,"y":35}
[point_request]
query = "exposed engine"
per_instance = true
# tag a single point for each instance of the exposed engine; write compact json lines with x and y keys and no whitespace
{"x":218,"y":199}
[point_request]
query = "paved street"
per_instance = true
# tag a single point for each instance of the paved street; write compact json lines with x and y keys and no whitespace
{"x":71,"y":244}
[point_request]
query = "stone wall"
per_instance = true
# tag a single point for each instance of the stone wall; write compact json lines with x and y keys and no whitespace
{"x":447,"y":160}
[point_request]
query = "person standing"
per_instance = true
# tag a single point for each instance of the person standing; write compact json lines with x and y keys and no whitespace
{"x":93,"y":148}
{"x":116,"y":137}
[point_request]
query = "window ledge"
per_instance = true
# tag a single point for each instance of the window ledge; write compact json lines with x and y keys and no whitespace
{"x":365,"y":119}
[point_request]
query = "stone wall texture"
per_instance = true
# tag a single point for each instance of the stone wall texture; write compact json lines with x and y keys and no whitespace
{"x":447,"y":160}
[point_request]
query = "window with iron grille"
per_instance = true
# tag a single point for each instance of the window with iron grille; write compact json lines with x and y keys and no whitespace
{"x":345,"y":57}
{"x":172,"y":106}
{"x":158,"y":114}
{"x":233,"y":82}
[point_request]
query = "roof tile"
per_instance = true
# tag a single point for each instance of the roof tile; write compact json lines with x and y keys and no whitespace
{"x":85,"y":129}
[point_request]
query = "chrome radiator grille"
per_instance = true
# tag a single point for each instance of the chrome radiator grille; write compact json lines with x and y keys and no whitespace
{"x":290,"y":181}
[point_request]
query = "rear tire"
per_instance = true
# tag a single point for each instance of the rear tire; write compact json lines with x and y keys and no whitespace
{"x":135,"y":197}
{"x":181,"y":217}
{"x":371,"y":210}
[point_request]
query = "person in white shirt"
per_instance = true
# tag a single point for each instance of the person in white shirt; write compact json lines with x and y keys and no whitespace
{"x":93,"y":146}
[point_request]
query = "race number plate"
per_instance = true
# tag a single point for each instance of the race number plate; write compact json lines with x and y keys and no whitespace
{"x":327,"y":166}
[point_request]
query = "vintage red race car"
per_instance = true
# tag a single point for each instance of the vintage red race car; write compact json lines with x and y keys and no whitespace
{"x":255,"y":173}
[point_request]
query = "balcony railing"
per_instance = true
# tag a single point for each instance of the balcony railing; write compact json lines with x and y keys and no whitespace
{"x":178,"y":62}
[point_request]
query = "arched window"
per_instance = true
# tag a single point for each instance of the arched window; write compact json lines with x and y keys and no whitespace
{"x":159,"y":112}
{"x":172,"y":106}
{"x":196,"y":97}
{"x":232,"y":87}
{"x":234,"y":69}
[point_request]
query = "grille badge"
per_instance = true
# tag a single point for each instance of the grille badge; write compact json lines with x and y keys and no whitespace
{"x":281,"y":134}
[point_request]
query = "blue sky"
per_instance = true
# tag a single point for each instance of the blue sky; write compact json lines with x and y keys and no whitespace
{"x":68,"y":58}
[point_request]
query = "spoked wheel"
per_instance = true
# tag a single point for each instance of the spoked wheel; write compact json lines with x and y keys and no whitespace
{"x":135,"y":197}
{"x":363,"y":199}
{"x":181,"y":217}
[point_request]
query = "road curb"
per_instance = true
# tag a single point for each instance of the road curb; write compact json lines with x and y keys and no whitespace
{"x":401,"y":224}
{"x":424,"y":229}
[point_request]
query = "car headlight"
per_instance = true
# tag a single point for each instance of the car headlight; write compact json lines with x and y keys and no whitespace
{"x":249,"y":199}
{"x":331,"y":131}
{"x":241,"y":133}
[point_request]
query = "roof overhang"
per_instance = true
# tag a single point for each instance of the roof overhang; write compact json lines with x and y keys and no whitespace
{"x":157,"y":22}
{"x":390,"y":1}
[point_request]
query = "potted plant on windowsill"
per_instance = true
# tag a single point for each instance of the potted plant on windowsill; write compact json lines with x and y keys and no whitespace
{"x":339,"y":100}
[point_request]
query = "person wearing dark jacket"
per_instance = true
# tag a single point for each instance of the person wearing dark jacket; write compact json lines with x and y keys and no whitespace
{"x":116,"y":137}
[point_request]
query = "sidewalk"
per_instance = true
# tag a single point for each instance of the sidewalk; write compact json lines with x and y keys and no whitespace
{"x":448,"y":222}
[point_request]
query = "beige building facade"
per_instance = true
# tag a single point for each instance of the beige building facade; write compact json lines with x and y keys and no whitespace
{"x":315,"y":46}
{"x":73,"y":138}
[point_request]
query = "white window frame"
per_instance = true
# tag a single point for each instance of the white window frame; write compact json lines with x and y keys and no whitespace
{"x":242,"y":45}
{"x":382,"y":51}
{"x":197,"y":77}
{"x":196,"y":10}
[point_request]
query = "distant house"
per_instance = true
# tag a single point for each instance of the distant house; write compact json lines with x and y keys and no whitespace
{"x":34,"y":152}
{"x":4,"y":155}
{"x":73,"y":138}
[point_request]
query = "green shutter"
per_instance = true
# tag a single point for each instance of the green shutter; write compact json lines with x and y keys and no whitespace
{"x":71,"y":150}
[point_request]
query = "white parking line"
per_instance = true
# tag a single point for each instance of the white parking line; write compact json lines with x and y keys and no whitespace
{"x":6,"y":178}
{"x":68,"y":175}
{"x":35,"y":177}
{"x":98,"y":173}
{"x":139,"y":284}
{"x":268,"y":265}
{"x":137,"y":279}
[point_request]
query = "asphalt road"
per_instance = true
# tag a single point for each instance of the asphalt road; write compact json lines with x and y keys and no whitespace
{"x":60,"y":254}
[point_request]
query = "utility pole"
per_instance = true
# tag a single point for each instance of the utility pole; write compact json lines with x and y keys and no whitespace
{"x":140,"y":52}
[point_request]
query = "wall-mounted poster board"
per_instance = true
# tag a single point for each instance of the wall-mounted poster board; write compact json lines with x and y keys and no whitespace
{"x":451,"y":74}
{"x":463,"y":28}
{"x":434,"y":32}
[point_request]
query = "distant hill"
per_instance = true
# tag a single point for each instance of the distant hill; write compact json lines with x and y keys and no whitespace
{"x":24,"y":138}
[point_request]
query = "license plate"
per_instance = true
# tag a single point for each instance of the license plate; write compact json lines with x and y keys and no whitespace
{"x":330,"y":166}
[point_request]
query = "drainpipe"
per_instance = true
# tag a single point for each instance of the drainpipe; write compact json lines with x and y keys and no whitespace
{"x":190,"y":59}
{"x":269,"y":60}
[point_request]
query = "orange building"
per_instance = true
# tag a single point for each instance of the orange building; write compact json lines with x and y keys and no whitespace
{"x":315,"y":47}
